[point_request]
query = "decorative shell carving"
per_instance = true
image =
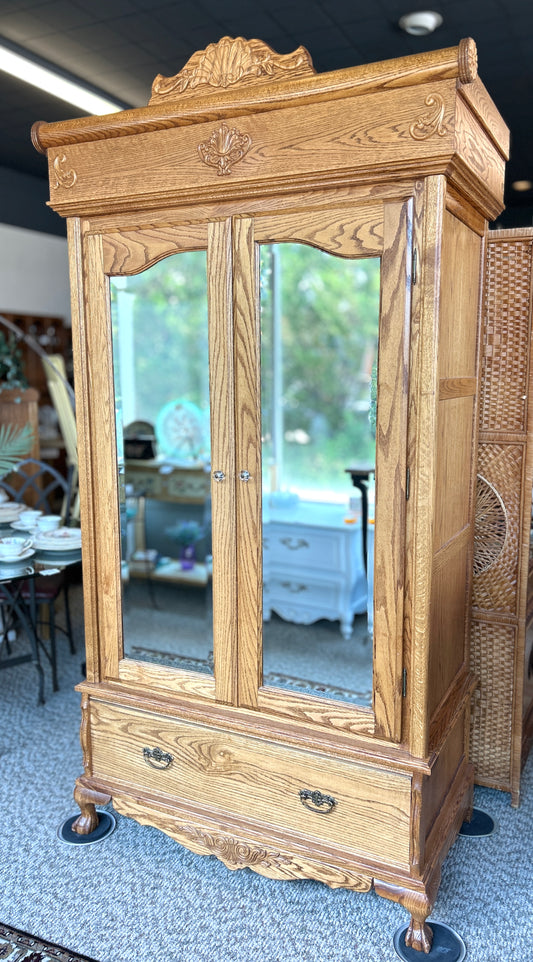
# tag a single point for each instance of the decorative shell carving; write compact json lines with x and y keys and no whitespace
{"x":432,"y":122}
{"x":225,"y":147}
{"x":60,"y":177}
{"x":229,"y":62}
{"x":490,"y":528}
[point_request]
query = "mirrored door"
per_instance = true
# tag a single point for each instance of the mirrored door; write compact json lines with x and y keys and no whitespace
{"x":319,"y":361}
{"x":161,"y":378}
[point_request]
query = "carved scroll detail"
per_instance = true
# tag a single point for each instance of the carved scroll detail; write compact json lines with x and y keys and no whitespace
{"x":233,"y":852}
{"x":432,"y":122}
{"x":232,"y":61}
{"x":225,"y":148}
{"x":59,"y":177}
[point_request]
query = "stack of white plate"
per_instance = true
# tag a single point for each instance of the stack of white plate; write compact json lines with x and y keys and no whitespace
{"x":62,"y":539}
{"x":9,"y":511}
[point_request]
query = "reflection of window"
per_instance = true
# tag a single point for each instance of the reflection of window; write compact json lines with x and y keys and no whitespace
{"x":319,"y":317}
{"x":160,"y":336}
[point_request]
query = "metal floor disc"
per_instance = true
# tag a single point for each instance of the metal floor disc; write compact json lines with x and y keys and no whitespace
{"x":480,"y":825}
{"x":106,"y":824}
{"x":447,"y":945}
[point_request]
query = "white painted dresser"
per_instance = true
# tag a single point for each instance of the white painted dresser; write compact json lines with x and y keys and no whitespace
{"x":313,"y":564}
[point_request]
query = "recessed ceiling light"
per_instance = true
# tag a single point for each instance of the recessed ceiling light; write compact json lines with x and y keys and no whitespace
{"x":53,"y":83}
{"x":522,"y":185}
{"x":420,"y":22}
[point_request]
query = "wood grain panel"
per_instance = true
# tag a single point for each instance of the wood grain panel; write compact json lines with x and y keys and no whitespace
{"x":460,"y":293}
{"x":128,"y":252}
{"x":97,"y":440}
{"x":346,"y":232}
{"x":454,"y":468}
{"x":222,"y":414}
{"x":334,"y":138}
{"x":448,"y":628}
{"x":256,"y":779}
{"x":248,"y":459}
{"x":391,"y":453}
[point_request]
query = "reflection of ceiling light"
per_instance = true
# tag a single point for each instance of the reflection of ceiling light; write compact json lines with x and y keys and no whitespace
{"x":522,"y":185}
{"x":421,"y":22}
{"x":53,"y":83}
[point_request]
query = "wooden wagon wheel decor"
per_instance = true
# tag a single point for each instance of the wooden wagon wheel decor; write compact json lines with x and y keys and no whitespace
{"x":490,"y":531}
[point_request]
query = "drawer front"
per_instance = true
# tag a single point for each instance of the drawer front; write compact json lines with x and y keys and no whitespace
{"x":318,"y":599}
{"x":309,"y":548}
{"x":251,"y":778}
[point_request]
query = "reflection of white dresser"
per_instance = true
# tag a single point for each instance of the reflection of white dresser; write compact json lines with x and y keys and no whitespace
{"x":312,"y":564}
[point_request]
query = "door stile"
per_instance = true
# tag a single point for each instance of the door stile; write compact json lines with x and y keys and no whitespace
{"x":97,"y":444}
{"x":222,"y":408}
{"x":248,"y":479}
{"x":391,"y":468}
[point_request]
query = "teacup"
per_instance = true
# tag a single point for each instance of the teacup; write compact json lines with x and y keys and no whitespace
{"x":12,"y":548}
{"x":48,"y":522}
{"x":29,"y":516}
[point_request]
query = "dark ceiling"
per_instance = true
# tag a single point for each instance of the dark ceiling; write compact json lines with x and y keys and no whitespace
{"x":118,"y":46}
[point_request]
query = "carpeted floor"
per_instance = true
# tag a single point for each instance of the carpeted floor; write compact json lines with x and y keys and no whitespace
{"x":139,"y":897}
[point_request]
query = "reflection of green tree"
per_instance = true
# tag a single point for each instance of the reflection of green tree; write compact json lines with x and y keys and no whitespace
{"x":329,"y":318}
{"x":329,"y":315}
{"x":170,"y":333}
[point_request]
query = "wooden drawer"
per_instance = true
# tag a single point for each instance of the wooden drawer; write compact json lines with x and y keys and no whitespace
{"x":251,"y":778}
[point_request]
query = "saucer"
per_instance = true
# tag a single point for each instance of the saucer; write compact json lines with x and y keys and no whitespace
{"x":22,"y":526}
{"x":14,"y":559}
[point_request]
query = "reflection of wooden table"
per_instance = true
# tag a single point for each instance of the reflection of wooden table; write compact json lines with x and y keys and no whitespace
{"x":164,"y":481}
{"x":175,"y":484}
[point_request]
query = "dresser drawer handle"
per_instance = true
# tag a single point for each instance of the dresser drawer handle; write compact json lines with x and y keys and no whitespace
{"x":317,"y":802}
{"x":293,"y":544}
{"x":156,"y":758}
{"x":294,"y":589}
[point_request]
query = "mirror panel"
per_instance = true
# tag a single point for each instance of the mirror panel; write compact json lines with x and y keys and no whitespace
{"x":160,"y":358}
{"x":319,"y":336}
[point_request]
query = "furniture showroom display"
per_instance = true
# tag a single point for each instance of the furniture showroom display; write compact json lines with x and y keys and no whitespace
{"x":502,"y":597}
{"x":402,"y":161}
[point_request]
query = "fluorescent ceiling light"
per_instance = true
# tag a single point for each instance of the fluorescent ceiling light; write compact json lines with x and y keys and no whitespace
{"x":53,"y":83}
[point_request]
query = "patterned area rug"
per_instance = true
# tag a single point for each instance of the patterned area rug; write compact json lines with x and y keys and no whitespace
{"x":272,"y":679}
{"x":16,"y":946}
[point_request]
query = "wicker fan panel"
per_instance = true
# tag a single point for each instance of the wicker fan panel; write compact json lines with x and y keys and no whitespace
{"x":496,"y":538}
{"x":492,"y":661}
{"x":505,"y":347}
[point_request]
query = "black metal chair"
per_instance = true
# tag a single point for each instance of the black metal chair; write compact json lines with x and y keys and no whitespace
{"x":41,"y":486}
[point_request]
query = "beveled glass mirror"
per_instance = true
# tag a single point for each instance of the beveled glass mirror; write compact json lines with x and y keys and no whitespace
{"x":319,"y":329}
{"x":161,"y":372}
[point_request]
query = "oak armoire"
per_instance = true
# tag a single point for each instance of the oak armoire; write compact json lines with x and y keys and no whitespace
{"x":397,"y":164}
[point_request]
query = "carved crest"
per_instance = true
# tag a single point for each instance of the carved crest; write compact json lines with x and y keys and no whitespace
{"x":60,"y":177}
{"x":230,"y":62}
{"x":430,"y":123}
{"x":225,"y":147}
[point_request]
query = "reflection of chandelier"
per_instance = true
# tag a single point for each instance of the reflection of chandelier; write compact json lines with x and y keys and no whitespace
{"x":490,"y":529}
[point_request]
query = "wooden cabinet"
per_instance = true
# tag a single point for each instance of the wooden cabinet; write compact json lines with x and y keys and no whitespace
{"x":398,"y":165}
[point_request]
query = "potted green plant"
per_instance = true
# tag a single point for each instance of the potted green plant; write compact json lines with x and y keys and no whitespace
{"x":187,"y":534}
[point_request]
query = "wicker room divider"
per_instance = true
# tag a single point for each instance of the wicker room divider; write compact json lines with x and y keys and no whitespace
{"x":501,"y":639}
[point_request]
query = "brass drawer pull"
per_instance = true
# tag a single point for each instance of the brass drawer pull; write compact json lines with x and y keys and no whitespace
{"x":293,"y":544}
{"x":317,"y":802}
{"x":156,"y":758}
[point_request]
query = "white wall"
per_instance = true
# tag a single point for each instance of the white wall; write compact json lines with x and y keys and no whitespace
{"x":33,"y":273}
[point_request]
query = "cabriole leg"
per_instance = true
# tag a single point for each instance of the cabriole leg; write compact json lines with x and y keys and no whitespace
{"x":87,"y":799}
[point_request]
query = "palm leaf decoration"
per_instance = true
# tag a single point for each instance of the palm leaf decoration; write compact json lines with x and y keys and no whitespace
{"x":15,"y":444}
